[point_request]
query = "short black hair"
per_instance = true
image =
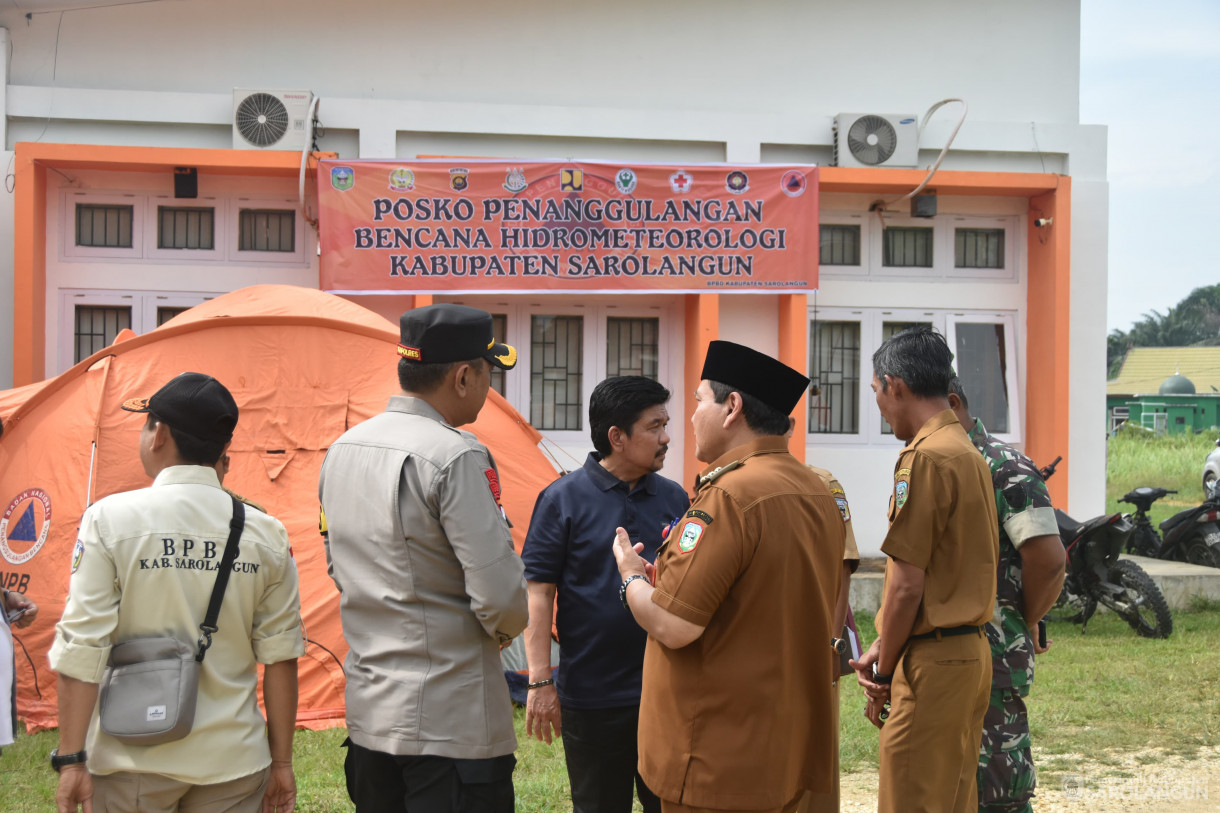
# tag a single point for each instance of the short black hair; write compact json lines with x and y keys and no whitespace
{"x":192,"y":450}
{"x":763,"y":418}
{"x":920,"y":356}
{"x":416,"y":376}
{"x":956,"y":388}
{"x":619,"y":401}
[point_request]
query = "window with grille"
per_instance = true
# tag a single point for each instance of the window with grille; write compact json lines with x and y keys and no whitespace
{"x":96,"y":328}
{"x":906,"y":247}
{"x":104,"y":225}
{"x":834,"y":403}
{"x":186,"y":228}
{"x":978,"y":248}
{"x":556,"y":361}
{"x":981,"y":361}
{"x":267,"y":230}
{"x":839,"y":245}
{"x":631,"y":347}
{"x":499,"y":330}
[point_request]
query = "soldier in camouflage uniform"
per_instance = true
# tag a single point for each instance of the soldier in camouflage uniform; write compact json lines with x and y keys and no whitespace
{"x":1028,"y":580}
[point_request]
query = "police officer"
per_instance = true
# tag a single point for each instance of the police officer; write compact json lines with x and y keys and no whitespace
{"x":931,"y":661}
{"x":429,"y":584}
{"x":1028,"y":581}
{"x":736,"y":703}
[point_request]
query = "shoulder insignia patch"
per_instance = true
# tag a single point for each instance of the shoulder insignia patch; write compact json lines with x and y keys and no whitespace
{"x":901,"y":490}
{"x":695,"y":513}
{"x":691,"y":533}
{"x":78,"y":553}
{"x":711,"y":476}
{"x":843,"y":509}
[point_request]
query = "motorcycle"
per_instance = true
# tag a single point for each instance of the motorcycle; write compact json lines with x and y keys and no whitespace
{"x":1095,"y":575}
{"x":1190,"y":536}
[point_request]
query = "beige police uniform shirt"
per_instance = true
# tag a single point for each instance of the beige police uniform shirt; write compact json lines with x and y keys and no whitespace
{"x":740,"y":717}
{"x":144,"y":566}
{"x":943,"y":520}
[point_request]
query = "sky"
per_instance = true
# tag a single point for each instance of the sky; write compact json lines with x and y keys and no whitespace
{"x":1150,"y":72}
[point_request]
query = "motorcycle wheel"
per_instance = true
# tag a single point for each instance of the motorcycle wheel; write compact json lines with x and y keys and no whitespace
{"x":1145,"y":607}
{"x":1199,"y":553}
{"x":1144,"y":542}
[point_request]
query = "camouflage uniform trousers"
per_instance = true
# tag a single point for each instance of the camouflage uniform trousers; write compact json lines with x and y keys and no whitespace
{"x":1006,"y":776}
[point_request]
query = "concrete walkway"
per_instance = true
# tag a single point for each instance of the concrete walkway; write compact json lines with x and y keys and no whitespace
{"x":1179,"y":582}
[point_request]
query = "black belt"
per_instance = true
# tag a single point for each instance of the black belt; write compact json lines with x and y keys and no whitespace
{"x":947,"y":632}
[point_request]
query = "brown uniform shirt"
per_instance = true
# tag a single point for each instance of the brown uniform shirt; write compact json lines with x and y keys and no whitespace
{"x":740,"y":717}
{"x":851,"y":553}
{"x":943,"y":521}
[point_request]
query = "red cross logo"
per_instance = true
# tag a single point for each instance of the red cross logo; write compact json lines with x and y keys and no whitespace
{"x":681,"y":181}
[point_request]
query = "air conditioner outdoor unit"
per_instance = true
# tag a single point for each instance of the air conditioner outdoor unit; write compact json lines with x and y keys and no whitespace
{"x":270,"y":119}
{"x":876,"y":140}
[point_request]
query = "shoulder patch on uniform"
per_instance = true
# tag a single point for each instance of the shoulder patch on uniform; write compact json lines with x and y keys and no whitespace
{"x":902,"y":487}
{"x":695,"y":513}
{"x":493,"y":482}
{"x":843,"y":509}
{"x":689,"y":540}
{"x":78,"y":553}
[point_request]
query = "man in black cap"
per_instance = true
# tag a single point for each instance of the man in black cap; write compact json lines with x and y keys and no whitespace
{"x":736,"y":705}
{"x":144,"y":566}
{"x":430,"y":586}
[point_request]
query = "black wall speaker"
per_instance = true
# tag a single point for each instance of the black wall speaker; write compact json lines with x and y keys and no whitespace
{"x":186,"y":182}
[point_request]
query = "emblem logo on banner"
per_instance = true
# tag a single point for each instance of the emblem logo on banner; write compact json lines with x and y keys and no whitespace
{"x":342,"y":178}
{"x":625,"y":181}
{"x":571,"y":180}
{"x":515,"y":181}
{"x":26,"y":521}
{"x":793,"y":183}
{"x":459,"y":179}
{"x":402,"y":180}
{"x":737,"y":182}
{"x":681,"y":181}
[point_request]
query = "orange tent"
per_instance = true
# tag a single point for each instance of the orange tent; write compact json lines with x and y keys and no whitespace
{"x":304,"y":366}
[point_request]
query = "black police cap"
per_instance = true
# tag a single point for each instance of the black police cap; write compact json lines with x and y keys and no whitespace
{"x":193,"y":403}
{"x":437,"y":334}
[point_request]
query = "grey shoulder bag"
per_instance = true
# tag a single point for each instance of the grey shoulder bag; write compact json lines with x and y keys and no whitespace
{"x":150,"y":686}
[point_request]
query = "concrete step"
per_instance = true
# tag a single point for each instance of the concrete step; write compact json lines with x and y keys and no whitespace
{"x":1179,"y":582}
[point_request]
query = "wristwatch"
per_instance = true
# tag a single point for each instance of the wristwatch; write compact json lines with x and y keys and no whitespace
{"x":622,"y":591}
{"x":878,"y":677}
{"x":59,"y":761}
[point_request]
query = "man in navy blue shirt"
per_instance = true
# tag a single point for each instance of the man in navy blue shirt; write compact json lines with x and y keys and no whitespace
{"x":594,"y":701}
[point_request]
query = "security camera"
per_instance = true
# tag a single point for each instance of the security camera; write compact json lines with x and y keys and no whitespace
{"x":1043,"y":222}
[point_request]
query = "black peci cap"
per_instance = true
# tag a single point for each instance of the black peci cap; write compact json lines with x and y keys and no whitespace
{"x":193,"y":403}
{"x":744,"y":369}
{"x":437,"y":334}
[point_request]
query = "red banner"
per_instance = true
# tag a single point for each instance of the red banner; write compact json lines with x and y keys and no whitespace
{"x":508,"y":226}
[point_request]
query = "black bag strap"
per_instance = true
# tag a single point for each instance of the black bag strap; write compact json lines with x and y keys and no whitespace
{"x":222,"y":577}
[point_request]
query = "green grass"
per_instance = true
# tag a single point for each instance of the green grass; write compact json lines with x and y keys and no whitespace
{"x":1135,"y":458}
{"x":1100,"y":694}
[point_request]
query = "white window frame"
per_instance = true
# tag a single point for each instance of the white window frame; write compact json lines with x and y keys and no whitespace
{"x":187,"y":256}
{"x":235,"y":254}
{"x":69,"y":250}
{"x":872,"y":321}
{"x":143,"y":306}
{"x":864,"y":220}
{"x":1009,"y":226}
{"x":944,"y":230}
{"x":593,"y":355}
{"x":1007,"y":320}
